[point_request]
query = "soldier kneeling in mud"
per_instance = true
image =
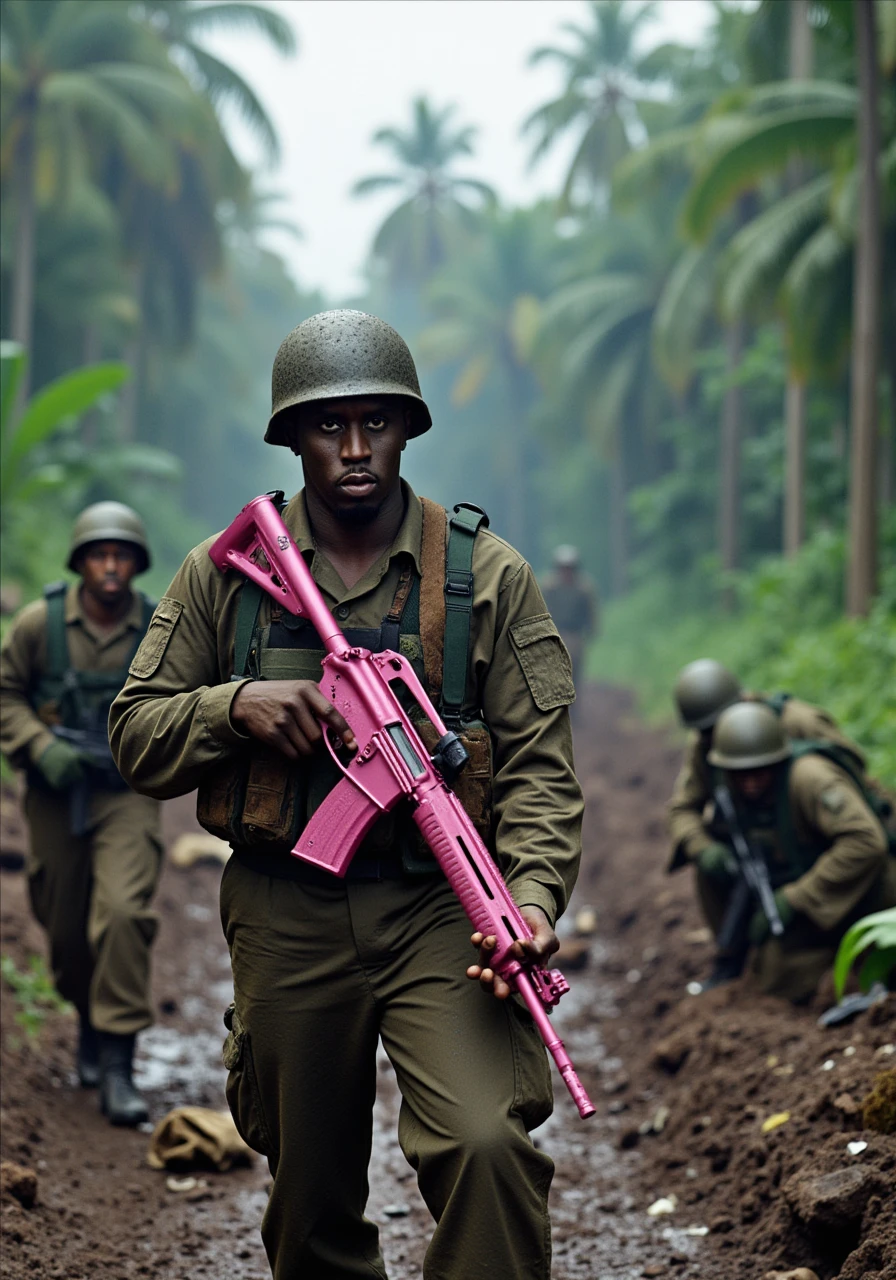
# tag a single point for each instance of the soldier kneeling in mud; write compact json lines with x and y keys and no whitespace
{"x":803,"y":811}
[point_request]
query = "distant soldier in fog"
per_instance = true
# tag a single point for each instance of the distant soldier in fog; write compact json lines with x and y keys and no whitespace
{"x":572,"y":602}
{"x":803,"y":810}
{"x":95,"y":845}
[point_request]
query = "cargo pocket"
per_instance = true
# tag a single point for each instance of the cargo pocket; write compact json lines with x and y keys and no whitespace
{"x":533,"y":1099}
{"x":219,"y":799}
{"x":272,"y":807}
{"x":545,"y":662}
{"x":152,"y":648}
{"x":242,"y":1091}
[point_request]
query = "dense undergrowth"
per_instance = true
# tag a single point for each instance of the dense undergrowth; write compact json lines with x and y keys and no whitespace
{"x":784,"y":632}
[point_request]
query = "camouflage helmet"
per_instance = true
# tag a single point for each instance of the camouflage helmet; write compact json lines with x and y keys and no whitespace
{"x":566,"y":556}
{"x":113,"y":522}
{"x":748,"y":736}
{"x":343,"y":353}
{"x":702,"y":692}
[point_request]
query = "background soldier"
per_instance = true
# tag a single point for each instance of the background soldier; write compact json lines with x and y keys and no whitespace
{"x":572,"y":602}
{"x":809,"y":818}
{"x":324,"y":966}
{"x":95,"y":846}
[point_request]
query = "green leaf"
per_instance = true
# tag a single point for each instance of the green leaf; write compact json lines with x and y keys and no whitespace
{"x":61,"y":403}
{"x":878,"y":930}
{"x":763,"y":148}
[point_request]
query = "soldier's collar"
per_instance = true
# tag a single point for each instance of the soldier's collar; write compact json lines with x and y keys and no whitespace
{"x":408,"y":540}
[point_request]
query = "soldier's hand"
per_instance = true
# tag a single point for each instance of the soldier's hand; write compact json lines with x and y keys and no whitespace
{"x":718,"y":862}
{"x":287,"y":714}
{"x":759,"y":929}
{"x":61,"y":765}
{"x":538,"y":949}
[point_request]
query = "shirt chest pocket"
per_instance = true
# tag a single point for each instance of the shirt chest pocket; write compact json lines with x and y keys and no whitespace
{"x":545,"y":661}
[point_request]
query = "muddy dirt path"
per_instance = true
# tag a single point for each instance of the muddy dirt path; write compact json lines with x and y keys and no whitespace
{"x":685,"y":1126}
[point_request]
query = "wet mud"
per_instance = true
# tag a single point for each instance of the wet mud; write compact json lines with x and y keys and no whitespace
{"x":683,"y":1088}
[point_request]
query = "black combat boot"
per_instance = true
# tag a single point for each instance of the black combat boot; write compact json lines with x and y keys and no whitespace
{"x":87,"y":1061}
{"x":120,"y":1102}
{"x":725,"y":969}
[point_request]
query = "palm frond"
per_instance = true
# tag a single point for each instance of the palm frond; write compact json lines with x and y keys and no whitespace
{"x":680,"y":314}
{"x":236,"y":16}
{"x":764,"y":149}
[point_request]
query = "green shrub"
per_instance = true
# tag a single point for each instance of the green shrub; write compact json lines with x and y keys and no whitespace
{"x":35,"y":995}
{"x":877,"y":931}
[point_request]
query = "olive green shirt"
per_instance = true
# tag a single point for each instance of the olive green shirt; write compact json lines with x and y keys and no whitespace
{"x":829,"y":812}
{"x":171,"y":722}
{"x":24,"y":736}
{"x":693,"y":786}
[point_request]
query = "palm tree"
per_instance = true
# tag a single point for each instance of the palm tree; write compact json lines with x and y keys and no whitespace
{"x":487,"y":304}
{"x":74,"y":71}
{"x":604,"y":94}
{"x":861,"y":577}
{"x":603,"y":320}
{"x":181,"y":25}
{"x":418,"y":234}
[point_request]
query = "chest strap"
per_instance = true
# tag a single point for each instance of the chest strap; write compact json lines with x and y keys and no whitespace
{"x":58,"y":661}
{"x":462,"y":529}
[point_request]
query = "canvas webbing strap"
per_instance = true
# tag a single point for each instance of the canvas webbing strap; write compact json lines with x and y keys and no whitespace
{"x":57,"y":642}
{"x":57,"y":636}
{"x":432,"y":591}
{"x":462,"y":529}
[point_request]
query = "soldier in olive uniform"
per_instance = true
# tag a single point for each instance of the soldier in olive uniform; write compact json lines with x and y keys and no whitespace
{"x":223,"y":696}
{"x":95,"y":846}
{"x":806,"y":811}
{"x":703,"y":690}
{"x":572,"y":601}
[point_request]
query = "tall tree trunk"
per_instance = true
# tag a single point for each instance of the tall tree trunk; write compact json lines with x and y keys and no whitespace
{"x":618,"y":522}
{"x":22,"y":318}
{"x":729,"y":464}
{"x":794,"y":465}
{"x":861,"y":579}
{"x":795,"y":395}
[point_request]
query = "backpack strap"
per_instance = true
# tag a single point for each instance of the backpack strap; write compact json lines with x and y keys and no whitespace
{"x":462,"y":529}
{"x":432,"y":592}
{"x":777,"y":702}
{"x":57,"y":640}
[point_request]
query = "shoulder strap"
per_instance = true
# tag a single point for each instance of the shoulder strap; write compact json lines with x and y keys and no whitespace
{"x":462,"y":529}
{"x":777,"y":702}
{"x":432,"y":591}
{"x":57,"y":640}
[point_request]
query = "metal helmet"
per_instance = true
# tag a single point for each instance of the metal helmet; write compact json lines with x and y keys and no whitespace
{"x":109,"y":521}
{"x":748,"y":736}
{"x":566,"y":556}
{"x":343,"y":353}
{"x":702,"y":692}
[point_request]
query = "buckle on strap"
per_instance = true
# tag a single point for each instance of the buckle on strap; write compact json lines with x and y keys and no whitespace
{"x":458,"y":583}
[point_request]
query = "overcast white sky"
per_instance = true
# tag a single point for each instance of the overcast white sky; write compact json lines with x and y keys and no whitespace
{"x":360,"y":64}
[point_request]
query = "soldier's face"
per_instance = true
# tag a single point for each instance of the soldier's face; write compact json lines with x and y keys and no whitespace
{"x":351,"y":452}
{"x":106,"y":569}
{"x":753,"y":785}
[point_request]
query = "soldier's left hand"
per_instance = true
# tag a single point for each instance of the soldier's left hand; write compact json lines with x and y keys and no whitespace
{"x":539,"y":949}
{"x":760,"y":929}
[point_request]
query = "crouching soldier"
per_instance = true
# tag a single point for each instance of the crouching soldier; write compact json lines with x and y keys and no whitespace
{"x":95,"y":846}
{"x":571,"y":599}
{"x":803,"y":812}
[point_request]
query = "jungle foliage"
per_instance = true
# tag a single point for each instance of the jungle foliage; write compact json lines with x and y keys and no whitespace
{"x":658,"y":365}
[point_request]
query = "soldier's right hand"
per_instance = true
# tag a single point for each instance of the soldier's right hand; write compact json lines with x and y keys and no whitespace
{"x":286,"y":714}
{"x":718,"y":862}
{"x":61,"y":765}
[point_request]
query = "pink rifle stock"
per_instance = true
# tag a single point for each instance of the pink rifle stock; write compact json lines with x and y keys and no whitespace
{"x":391,"y":764}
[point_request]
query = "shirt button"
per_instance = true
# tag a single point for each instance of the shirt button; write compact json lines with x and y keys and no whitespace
{"x":342,"y":612}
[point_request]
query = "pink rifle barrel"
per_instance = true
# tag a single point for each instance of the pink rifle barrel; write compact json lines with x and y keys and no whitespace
{"x":523,"y":984}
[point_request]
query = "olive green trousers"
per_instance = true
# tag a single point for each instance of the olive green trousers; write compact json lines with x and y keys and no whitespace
{"x":92,"y":893}
{"x":321,"y":971}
